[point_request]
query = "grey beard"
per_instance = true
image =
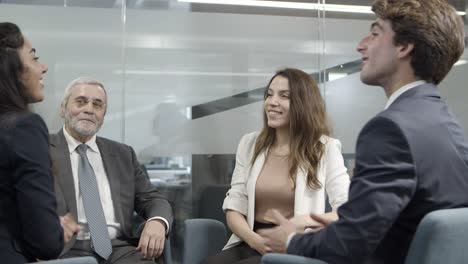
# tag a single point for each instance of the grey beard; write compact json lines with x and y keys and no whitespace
{"x":82,"y":132}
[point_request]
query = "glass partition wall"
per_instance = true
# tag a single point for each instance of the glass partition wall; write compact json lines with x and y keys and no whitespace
{"x":185,"y":80}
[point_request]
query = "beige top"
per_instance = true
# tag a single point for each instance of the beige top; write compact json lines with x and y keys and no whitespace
{"x":274,"y":189}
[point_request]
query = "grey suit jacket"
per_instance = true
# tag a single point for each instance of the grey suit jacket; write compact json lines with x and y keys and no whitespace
{"x":131,"y":190}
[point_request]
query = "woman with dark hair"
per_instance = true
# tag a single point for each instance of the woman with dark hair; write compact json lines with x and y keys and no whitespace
{"x":29,"y":226}
{"x":288,"y":168}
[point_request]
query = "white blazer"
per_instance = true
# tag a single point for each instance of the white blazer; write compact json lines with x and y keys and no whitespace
{"x":332,"y":174}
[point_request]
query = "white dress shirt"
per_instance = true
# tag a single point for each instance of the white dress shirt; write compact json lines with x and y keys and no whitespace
{"x":400,"y":91}
{"x":94,"y":157}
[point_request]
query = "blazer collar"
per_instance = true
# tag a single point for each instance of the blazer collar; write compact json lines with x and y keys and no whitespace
{"x":423,"y":90}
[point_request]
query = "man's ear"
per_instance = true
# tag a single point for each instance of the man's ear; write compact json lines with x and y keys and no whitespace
{"x":405,"y":50}
{"x":62,"y":111}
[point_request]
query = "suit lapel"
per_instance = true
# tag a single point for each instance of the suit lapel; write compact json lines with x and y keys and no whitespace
{"x":109,"y":161}
{"x":61,"y":159}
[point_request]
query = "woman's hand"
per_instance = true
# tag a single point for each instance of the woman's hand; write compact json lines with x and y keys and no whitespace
{"x":258,"y":243}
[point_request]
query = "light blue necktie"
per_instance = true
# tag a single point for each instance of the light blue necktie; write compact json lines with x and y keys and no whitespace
{"x":92,"y":205}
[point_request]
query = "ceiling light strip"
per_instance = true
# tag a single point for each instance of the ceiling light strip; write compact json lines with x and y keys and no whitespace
{"x":293,"y":5}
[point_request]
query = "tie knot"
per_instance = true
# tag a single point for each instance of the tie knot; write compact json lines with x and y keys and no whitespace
{"x":81,"y":149}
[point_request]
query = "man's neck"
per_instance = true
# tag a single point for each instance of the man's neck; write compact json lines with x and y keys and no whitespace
{"x":403,"y":75}
{"x":392,"y":87}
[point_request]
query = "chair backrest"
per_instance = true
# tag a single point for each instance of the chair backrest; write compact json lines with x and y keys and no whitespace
{"x":441,"y":237}
{"x":202,"y":238}
{"x":210,"y":205}
{"x":211,"y":202}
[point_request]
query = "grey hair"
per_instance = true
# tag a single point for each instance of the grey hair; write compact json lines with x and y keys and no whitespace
{"x":78,"y":81}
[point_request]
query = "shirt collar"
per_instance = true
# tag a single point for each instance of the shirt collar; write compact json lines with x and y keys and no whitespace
{"x":73,"y":143}
{"x":400,"y":91}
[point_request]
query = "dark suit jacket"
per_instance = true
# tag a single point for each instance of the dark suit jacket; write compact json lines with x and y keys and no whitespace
{"x":131,"y":190}
{"x":29,"y":225}
{"x":411,"y":159}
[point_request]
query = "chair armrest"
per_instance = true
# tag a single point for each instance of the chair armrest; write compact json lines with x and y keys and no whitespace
{"x":274,"y":258}
{"x":167,"y":252}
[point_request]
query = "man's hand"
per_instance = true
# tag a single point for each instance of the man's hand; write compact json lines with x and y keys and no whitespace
{"x":276,"y":238}
{"x":152,"y":239}
{"x":305,"y":221}
{"x":70,"y":227}
{"x":324,"y":220}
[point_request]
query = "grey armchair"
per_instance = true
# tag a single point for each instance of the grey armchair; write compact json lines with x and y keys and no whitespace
{"x":202,"y":238}
{"x":441,"y":237}
{"x":274,"y":258}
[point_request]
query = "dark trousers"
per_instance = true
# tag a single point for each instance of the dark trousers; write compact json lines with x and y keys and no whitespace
{"x":239,"y":254}
{"x":122,"y":253}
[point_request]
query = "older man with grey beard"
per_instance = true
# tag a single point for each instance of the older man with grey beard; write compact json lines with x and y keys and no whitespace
{"x":90,"y":169}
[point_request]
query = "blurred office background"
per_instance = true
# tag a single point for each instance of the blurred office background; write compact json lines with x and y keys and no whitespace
{"x":185,"y":80}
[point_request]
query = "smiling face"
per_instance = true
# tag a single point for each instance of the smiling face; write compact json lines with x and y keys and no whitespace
{"x":84,"y":111}
{"x":277,"y":103}
{"x":379,"y":54}
{"x":33,"y":71}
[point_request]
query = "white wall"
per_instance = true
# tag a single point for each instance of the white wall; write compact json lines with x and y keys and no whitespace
{"x":160,"y":63}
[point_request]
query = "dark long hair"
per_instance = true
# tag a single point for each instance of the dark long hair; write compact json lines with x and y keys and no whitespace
{"x":308,"y":123}
{"x":12,"y":91}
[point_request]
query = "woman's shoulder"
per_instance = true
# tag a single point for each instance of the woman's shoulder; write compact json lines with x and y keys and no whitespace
{"x":15,"y":119}
{"x":247,"y":143}
{"x":252,"y":136}
{"x":330,"y":142}
{"x":27,"y":122}
{"x":327,"y":140}
{"x":249,"y":139}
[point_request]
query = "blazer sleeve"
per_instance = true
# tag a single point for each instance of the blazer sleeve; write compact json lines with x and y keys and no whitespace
{"x":149,"y":202}
{"x":237,"y":198}
{"x":382,"y":186}
{"x":337,"y":179}
{"x":34,"y":186}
